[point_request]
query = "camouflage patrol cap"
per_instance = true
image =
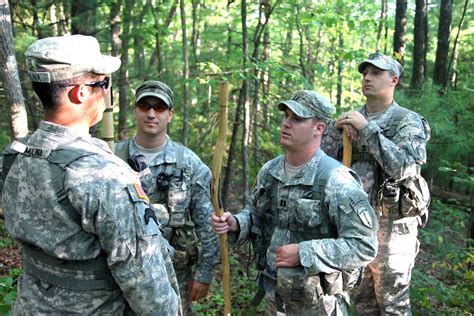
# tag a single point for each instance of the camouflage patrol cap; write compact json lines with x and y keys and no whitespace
{"x":307,"y":104}
{"x":64,"y":57}
{"x":157,"y":89}
{"x":383,"y":62}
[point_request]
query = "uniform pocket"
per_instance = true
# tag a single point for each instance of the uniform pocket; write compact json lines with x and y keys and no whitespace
{"x":308,"y":212}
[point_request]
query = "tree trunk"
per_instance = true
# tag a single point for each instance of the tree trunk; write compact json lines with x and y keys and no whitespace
{"x":185,"y":131}
{"x":195,"y":32}
{"x":139,"y":56}
{"x":115,"y":26}
{"x":157,"y":56}
{"x":9,"y":75}
{"x":83,"y":13}
{"x":301,"y":42}
{"x":340,"y":67}
{"x":440,"y":71}
{"x":246,"y":105}
{"x":232,"y":152}
{"x":419,"y":47}
{"x":265,"y":78}
{"x":454,"y":53}
{"x":381,"y":23}
{"x":399,"y":36}
{"x":123,"y":72}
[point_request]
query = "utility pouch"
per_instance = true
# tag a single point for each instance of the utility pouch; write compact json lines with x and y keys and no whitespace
{"x":352,"y":278}
{"x":389,"y":196}
{"x":415,"y":198}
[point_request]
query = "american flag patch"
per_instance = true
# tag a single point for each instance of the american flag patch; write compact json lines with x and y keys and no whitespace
{"x":140,"y":193}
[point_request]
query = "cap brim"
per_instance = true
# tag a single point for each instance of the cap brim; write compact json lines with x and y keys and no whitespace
{"x":106,"y":65}
{"x":364,"y":64}
{"x":160,"y":96}
{"x":297,"y":108}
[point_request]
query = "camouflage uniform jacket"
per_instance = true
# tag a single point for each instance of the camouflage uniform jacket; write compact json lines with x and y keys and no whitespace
{"x":106,"y":220}
{"x":187,"y":200}
{"x":345,"y":214}
{"x":399,"y":156}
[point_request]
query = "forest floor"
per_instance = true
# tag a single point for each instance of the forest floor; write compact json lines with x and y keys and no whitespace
{"x":442,"y":281}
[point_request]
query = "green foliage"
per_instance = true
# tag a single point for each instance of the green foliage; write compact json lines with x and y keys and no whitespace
{"x":5,"y":239}
{"x":243,"y":289}
{"x":8,"y":290}
{"x":443,"y":279}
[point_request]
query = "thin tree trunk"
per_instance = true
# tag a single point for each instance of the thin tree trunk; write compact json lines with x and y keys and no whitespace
{"x":139,"y":56}
{"x":399,"y":36}
{"x":453,"y":54}
{"x":123,"y":73}
{"x":157,"y":56}
{"x":265,"y":78}
{"x":301,"y":58}
{"x":340,"y":66}
{"x":9,"y":75}
{"x":246,"y":105}
{"x":115,"y":26}
{"x":419,"y":47}
{"x":440,"y":71}
{"x":195,"y":33}
{"x":232,"y":152}
{"x":380,"y":27}
{"x":185,"y":131}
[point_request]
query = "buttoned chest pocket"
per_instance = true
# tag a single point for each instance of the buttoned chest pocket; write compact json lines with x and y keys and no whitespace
{"x":146,"y":222}
{"x":179,"y":197}
{"x":308,"y":213}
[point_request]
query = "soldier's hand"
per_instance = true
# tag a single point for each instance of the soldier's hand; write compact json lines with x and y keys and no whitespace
{"x":288,"y":256}
{"x":225,"y":223}
{"x":197,"y":290}
{"x":353,"y":118}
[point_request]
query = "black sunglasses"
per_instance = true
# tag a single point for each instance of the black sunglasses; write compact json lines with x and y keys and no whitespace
{"x":104,"y":84}
{"x":101,"y":83}
{"x":145,"y":107}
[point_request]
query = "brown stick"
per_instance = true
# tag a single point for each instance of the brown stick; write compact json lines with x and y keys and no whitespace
{"x":346,"y":150}
{"x":108,"y":120}
{"x":216,"y":172}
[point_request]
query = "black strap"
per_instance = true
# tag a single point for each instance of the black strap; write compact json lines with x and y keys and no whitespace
{"x":78,"y":275}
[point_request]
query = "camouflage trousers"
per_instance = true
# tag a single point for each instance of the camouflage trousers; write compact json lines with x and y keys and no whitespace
{"x":36,"y":297}
{"x":385,"y":289}
{"x":184,"y":276}
{"x":327,"y":305}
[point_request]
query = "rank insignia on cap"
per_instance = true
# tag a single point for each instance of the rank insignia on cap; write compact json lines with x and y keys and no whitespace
{"x":140,"y":193}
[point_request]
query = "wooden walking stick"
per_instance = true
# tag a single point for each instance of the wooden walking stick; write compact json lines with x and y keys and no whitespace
{"x":346,"y":150}
{"x":216,"y":172}
{"x":108,"y":119}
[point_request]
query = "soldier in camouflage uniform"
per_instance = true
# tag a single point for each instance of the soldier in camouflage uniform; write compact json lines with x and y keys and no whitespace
{"x":91,"y":243}
{"x":309,"y":220}
{"x":180,"y":181}
{"x":389,"y":143}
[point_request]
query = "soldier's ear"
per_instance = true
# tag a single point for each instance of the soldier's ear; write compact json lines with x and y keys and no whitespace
{"x":395,"y":80}
{"x":78,"y":94}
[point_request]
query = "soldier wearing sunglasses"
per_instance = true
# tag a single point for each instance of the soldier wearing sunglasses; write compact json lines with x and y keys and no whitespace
{"x":90,"y":244}
{"x":180,"y":182}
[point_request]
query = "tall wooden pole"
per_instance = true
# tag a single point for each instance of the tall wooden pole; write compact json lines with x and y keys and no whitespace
{"x":108,"y":120}
{"x":216,"y":172}
{"x":346,"y":150}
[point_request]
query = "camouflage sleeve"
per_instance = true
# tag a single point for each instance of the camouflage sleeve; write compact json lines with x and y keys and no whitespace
{"x":332,"y":140}
{"x":400,"y":156}
{"x":355,"y":221}
{"x":201,"y":210}
{"x":114,"y":208}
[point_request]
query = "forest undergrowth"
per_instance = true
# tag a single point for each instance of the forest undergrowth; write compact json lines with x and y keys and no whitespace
{"x":442,"y":281}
